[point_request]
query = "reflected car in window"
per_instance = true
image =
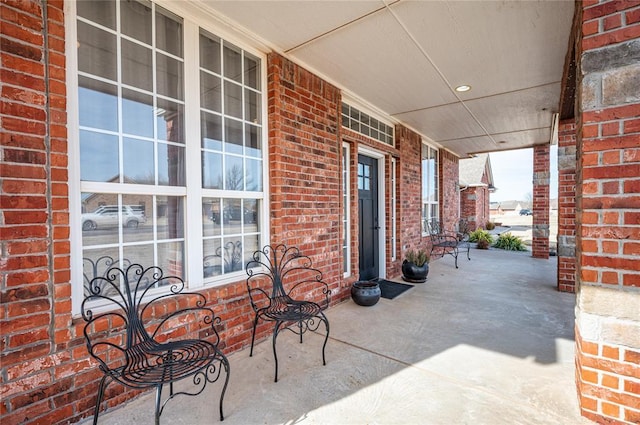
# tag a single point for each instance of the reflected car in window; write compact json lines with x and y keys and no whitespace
{"x":107,"y":216}
{"x":526,"y":211}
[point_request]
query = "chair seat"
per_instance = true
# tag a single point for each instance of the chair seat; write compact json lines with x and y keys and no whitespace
{"x":151,"y":363}
{"x":285,"y":308}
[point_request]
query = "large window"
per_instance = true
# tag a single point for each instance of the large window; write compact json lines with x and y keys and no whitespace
{"x":430,"y":204}
{"x":346,"y":217}
{"x":159,"y":152}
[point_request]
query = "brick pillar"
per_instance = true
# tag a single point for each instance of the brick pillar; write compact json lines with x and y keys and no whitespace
{"x":567,"y":206}
{"x":608,"y":213}
{"x":541,"y":175}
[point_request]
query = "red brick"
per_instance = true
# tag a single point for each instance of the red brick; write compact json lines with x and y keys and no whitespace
{"x":632,"y":16}
{"x":612,"y":22}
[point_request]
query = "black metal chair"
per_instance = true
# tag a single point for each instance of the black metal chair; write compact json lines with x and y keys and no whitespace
{"x":447,"y":242}
{"x":282,"y":287}
{"x":140,"y":340}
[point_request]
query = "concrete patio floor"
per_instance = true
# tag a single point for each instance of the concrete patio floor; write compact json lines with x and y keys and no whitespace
{"x":489,"y":343}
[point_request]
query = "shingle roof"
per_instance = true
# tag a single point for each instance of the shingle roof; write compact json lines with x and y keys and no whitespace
{"x":472,"y":169}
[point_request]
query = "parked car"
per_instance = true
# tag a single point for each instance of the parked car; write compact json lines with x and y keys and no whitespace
{"x":107,"y":216}
{"x":526,"y":211}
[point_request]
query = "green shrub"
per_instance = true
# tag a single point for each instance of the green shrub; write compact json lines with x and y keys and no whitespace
{"x":481,"y":236}
{"x":490,"y":225}
{"x":509,"y":242}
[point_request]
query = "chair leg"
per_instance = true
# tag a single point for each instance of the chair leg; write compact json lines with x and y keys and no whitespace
{"x":158,"y":399}
{"x":300,"y":329}
{"x":224,"y":362}
{"x":326,"y":338}
{"x":455,"y":255}
{"x":275,"y":355}
{"x":253,"y":335}
{"x":101,"y":389}
{"x":468,"y":248}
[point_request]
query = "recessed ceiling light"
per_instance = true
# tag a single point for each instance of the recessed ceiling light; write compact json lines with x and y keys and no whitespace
{"x":463,"y":88}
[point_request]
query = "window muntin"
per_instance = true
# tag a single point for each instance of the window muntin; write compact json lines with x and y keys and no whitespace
{"x":133,"y":151}
{"x":365,"y":124}
{"x":430,"y":198}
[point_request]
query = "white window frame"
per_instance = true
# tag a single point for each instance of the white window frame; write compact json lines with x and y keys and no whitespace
{"x":424,"y":181}
{"x":346,"y":199}
{"x":193,"y":19}
{"x":393,"y":210}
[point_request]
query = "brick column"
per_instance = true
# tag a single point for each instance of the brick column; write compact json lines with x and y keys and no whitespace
{"x":541,"y":175}
{"x":567,"y":206}
{"x":608,"y":213}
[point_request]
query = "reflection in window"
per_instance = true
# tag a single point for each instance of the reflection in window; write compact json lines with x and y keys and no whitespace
{"x":429,"y":185}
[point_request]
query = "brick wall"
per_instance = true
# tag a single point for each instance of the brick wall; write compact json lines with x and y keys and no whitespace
{"x":448,"y":178}
{"x":608,"y":218}
{"x":541,"y":177}
{"x":474,"y":205}
{"x":305,"y":188}
{"x":567,"y":206}
{"x":410,"y":190}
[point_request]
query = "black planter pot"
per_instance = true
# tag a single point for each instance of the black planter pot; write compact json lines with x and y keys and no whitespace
{"x":365,"y":293}
{"x":414,"y":274}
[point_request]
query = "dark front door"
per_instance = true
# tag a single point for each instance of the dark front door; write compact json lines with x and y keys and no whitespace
{"x":368,"y":216}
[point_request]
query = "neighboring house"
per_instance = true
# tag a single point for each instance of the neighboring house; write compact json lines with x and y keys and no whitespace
{"x":502,"y":207}
{"x":476,"y":183}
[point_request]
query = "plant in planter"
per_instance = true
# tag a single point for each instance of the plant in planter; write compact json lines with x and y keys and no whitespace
{"x":415,"y":266}
{"x":482,"y":238}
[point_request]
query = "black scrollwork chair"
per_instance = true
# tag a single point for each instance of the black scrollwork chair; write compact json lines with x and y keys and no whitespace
{"x":139,"y":333}
{"x":445,"y":241}
{"x":284,"y":288}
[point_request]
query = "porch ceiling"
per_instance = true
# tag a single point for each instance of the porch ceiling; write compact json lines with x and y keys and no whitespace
{"x":406,"y":58}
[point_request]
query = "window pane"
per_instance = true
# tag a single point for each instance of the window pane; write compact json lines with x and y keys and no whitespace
{"x":98,"y":157}
{"x":96,"y":262}
{"x":211,"y":170}
{"x":210,"y":92}
{"x":232,"y":63}
{"x":211,"y":131}
{"x":209,"y":52}
{"x":171,"y":165}
{"x":102,"y":12}
{"x":168,"y":32}
{"x":232,"y":99}
{"x":251,"y":245}
{"x":137,"y":113}
{"x":170,"y":217}
{"x":254,"y":175}
{"x":136,"y":65}
{"x":140,"y":254}
{"x":233,"y":136}
{"x":169,"y":121}
{"x":138,"y":161}
{"x":231,"y":216}
{"x":98,"y":104}
{"x":169,"y":74}
{"x":252,"y":106}
{"x":171,"y":258}
{"x":251,"y":215}
{"x":211,"y":216}
{"x":96,"y":51}
{"x":137,"y":218}
{"x":233,"y":173}
{"x":253,"y":141}
{"x":212,"y":259}
{"x":136,"y":20}
{"x":251,"y":71}
{"x":99,"y":219}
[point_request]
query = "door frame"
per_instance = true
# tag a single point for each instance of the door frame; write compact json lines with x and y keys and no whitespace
{"x":382,"y":202}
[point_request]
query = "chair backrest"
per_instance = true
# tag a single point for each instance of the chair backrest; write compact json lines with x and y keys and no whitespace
{"x":129,"y":314}
{"x":434,"y":227}
{"x":287,"y":271}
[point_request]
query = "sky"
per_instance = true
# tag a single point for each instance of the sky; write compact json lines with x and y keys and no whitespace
{"x":513,"y":174}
